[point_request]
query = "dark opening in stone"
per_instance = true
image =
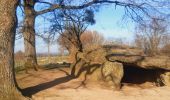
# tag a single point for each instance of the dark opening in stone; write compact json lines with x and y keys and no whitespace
{"x":136,"y":75}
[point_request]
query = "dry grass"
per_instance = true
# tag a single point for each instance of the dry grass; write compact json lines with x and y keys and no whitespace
{"x":19,"y":63}
{"x":56,"y":59}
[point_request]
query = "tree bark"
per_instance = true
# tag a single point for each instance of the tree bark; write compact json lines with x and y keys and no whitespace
{"x":29,"y":35}
{"x":8,"y":23}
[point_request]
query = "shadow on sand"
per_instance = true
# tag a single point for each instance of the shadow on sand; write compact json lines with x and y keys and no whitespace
{"x":29,"y":91}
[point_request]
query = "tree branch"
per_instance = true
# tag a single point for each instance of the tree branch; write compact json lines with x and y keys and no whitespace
{"x":58,"y":6}
{"x":45,"y":3}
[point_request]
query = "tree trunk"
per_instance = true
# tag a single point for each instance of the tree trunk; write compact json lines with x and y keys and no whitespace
{"x":77,"y":62}
{"x":29,"y":35}
{"x":49,"y":56}
{"x":8,"y":22}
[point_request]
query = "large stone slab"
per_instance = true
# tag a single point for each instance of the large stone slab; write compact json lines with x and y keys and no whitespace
{"x":155,"y":62}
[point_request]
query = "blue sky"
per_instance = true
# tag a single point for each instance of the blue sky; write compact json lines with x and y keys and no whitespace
{"x":108,"y":22}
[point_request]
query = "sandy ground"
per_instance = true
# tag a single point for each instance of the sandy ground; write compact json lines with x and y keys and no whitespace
{"x":54,"y":84}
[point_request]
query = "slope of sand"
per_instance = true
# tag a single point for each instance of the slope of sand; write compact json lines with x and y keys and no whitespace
{"x":54,"y":84}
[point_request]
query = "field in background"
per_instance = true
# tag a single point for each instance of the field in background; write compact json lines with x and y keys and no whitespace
{"x":53,"y":60}
{"x":42,"y":61}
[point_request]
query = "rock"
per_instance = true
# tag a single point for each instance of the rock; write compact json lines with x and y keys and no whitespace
{"x":112,"y":73}
{"x":95,"y":55}
{"x":155,"y":62}
{"x":165,"y":78}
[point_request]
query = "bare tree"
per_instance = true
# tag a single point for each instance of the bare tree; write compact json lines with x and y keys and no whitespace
{"x":91,"y":38}
{"x":150,"y":35}
{"x":19,"y":55}
{"x":48,"y":39}
{"x":8,"y":23}
{"x":73,"y":34}
{"x":74,"y":25}
{"x":88,"y":39}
